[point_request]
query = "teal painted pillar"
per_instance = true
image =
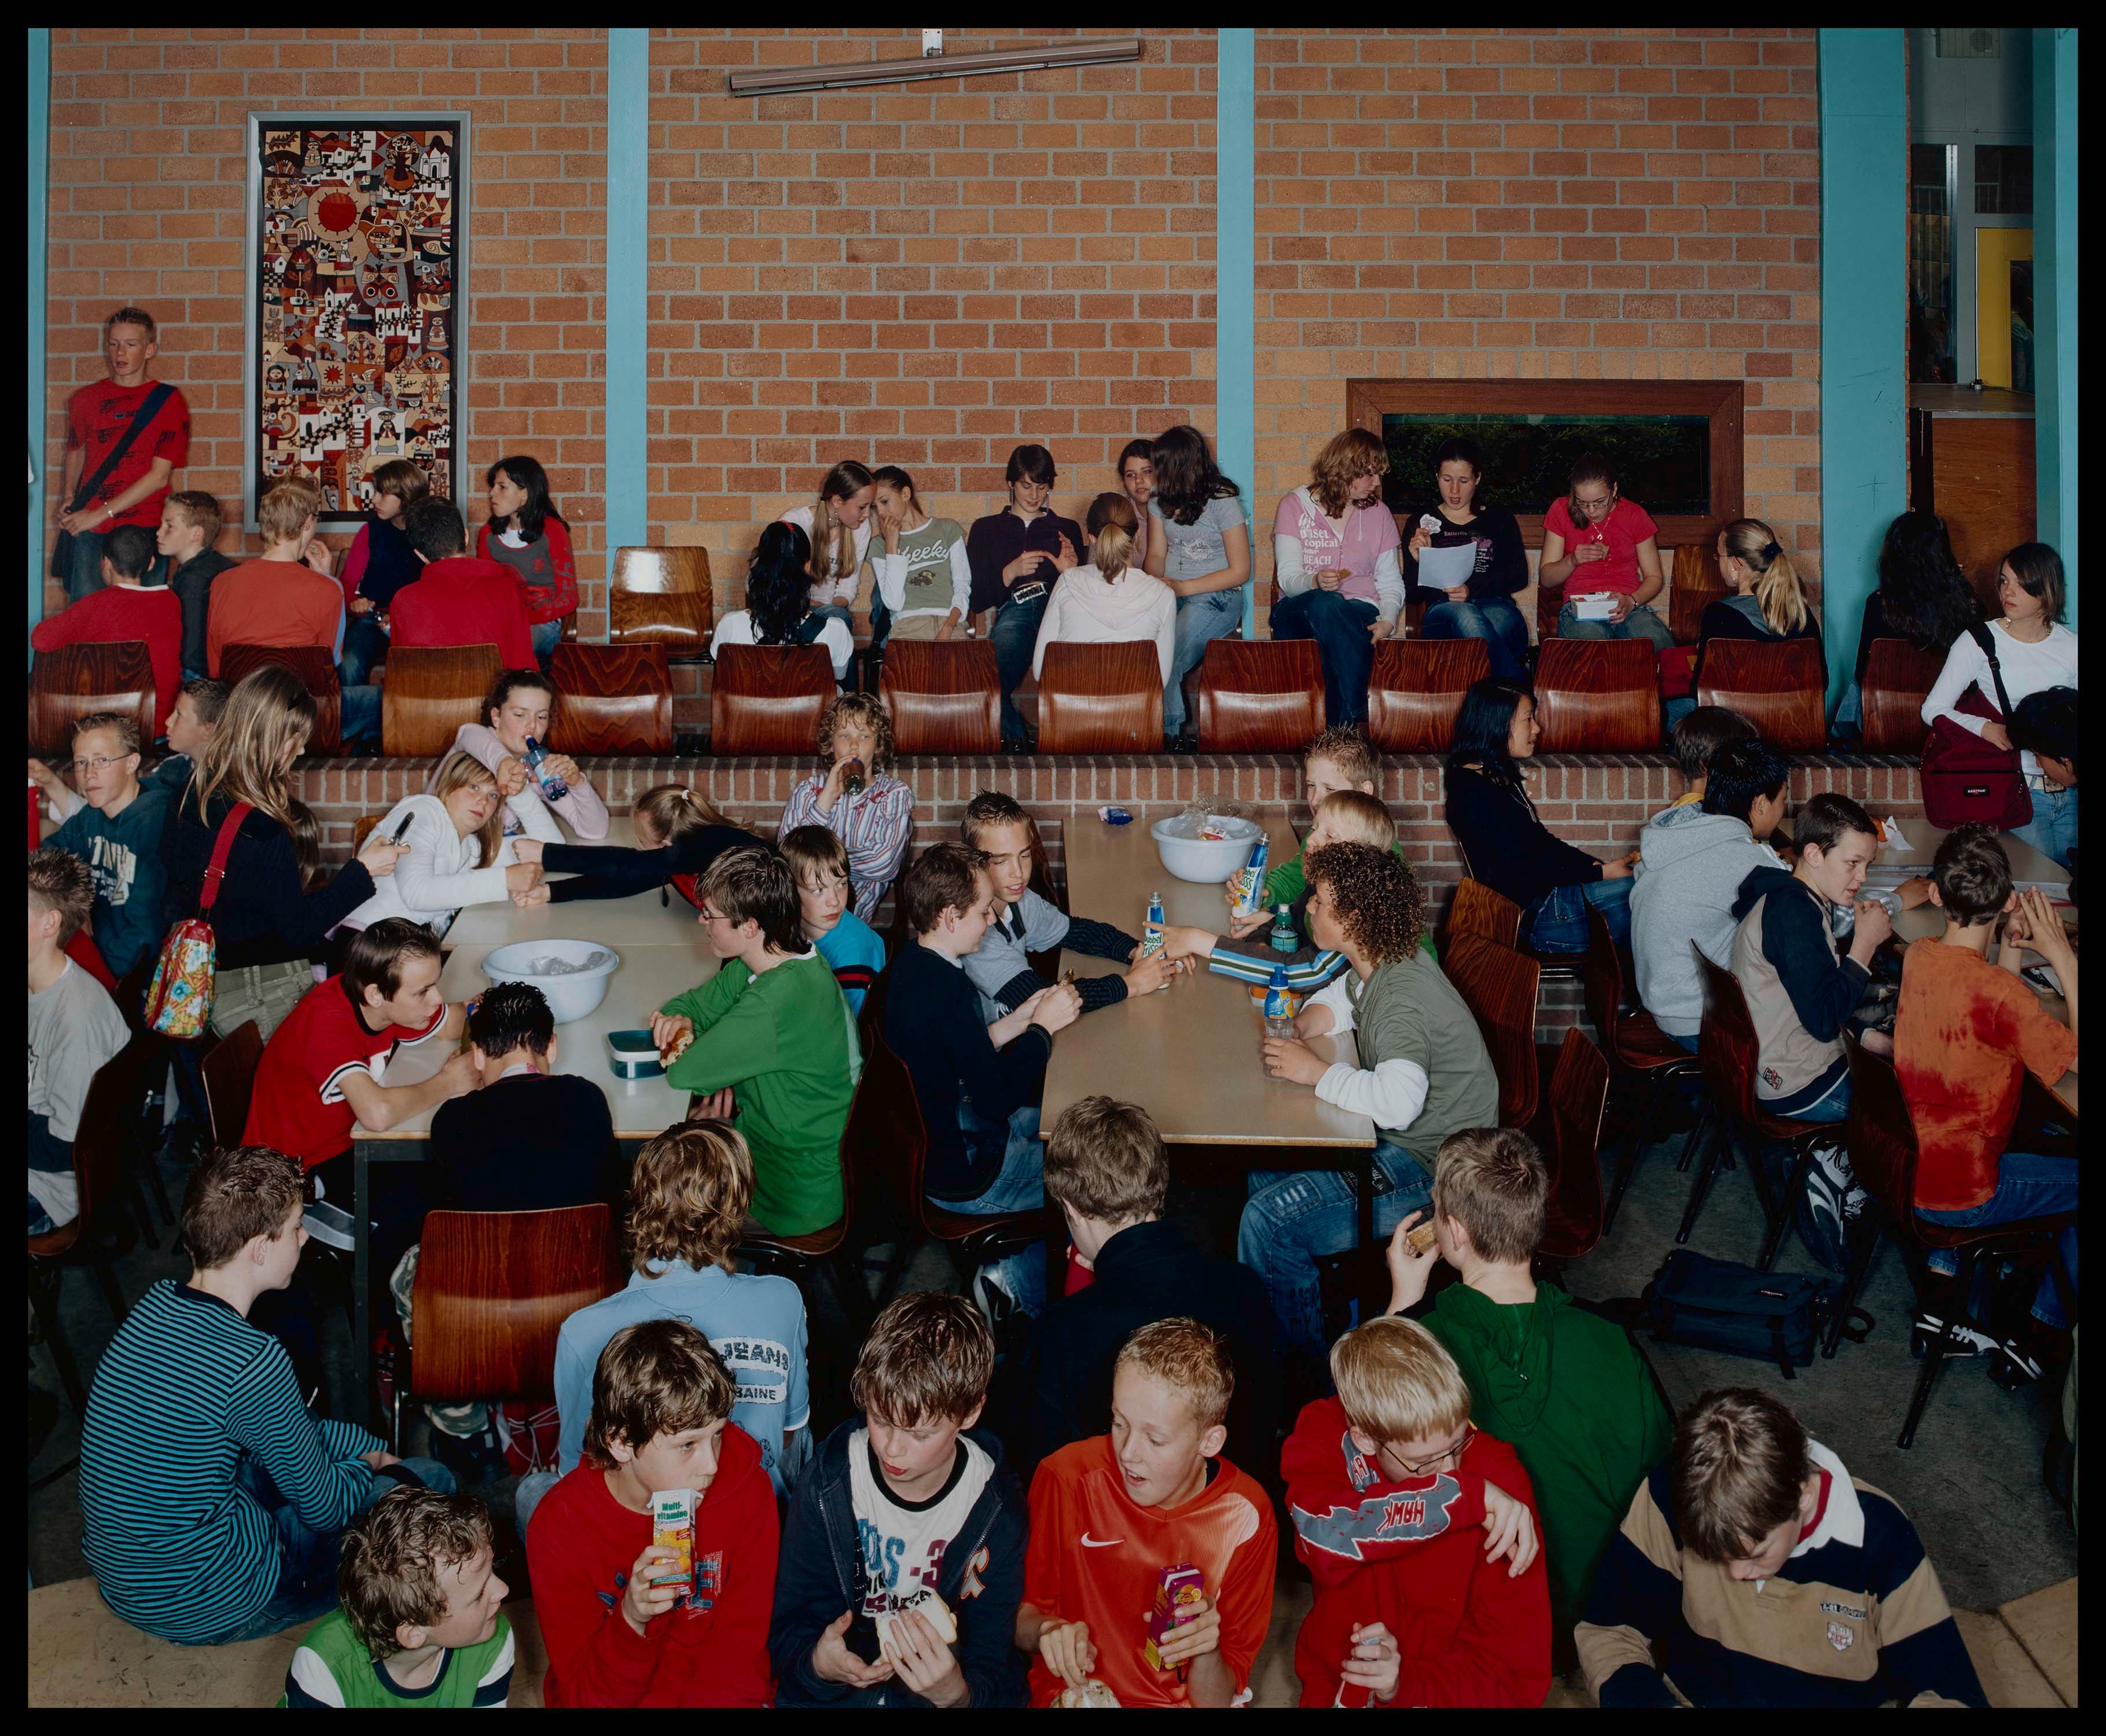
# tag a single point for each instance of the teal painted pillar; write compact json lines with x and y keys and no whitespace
{"x":2055,"y":323}
{"x":1235,"y":255}
{"x":1864,"y":349}
{"x":36,"y":207}
{"x":628,"y":261}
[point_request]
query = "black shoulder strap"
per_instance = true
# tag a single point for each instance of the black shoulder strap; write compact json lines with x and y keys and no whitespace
{"x":1979,"y":633}
{"x":150,"y":407}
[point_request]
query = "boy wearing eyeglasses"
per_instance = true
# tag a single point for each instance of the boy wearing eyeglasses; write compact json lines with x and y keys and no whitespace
{"x":116,"y":833}
{"x":1387,"y":1485}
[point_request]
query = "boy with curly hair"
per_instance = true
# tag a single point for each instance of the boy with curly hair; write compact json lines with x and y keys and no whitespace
{"x":1423,"y":1074}
{"x":857,"y":797}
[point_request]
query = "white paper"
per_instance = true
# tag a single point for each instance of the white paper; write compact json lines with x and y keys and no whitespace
{"x":1444,"y":569}
{"x":1598,"y":606}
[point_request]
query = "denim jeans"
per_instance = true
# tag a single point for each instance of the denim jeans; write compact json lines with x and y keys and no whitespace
{"x":2053,"y":830}
{"x":2027,"y":1186}
{"x":1674,"y":710}
{"x":1014,"y":636}
{"x":359,"y":718}
{"x":364,"y":645}
{"x":1339,"y":625}
{"x":1494,"y":620}
{"x":85,"y":573}
{"x":1832,"y":1107}
{"x":1557,"y":922}
{"x":545,"y":636}
{"x":1640,"y":624}
{"x":1199,"y":619}
{"x":1019,"y":1187}
{"x":1293,"y":1216}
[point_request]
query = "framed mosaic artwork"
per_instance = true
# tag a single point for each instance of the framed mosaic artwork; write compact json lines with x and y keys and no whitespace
{"x":357,"y":270}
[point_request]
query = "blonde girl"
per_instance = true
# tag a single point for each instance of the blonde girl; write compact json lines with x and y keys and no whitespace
{"x":458,"y":851}
{"x":678,"y":835}
{"x":1111,"y":598}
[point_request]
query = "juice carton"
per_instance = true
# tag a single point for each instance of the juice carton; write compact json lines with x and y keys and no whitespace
{"x":1178,"y":1590}
{"x":673,"y":1527}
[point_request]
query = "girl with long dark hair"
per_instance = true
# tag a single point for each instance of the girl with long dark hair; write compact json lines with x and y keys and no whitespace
{"x":1482,"y":606}
{"x":525,"y":533}
{"x":779,"y":604}
{"x":1202,"y":553}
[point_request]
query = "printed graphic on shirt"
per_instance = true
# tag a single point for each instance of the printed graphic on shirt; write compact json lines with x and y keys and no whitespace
{"x":112,"y":865}
{"x":760,"y":1369}
{"x":1398,"y":1516}
{"x":901,"y":1549}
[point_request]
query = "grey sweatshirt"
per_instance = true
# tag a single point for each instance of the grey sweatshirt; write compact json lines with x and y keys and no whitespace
{"x":1692,"y":866}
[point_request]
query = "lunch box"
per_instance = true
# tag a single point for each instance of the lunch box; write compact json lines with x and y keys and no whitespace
{"x":632,"y":1055}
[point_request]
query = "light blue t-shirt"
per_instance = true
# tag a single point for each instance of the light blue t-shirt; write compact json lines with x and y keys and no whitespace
{"x":755,"y":1324}
{"x":853,"y":946}
{"x":1197,"y":548}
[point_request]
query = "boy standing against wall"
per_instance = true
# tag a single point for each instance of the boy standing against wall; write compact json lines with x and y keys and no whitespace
{"x":98,"y":418}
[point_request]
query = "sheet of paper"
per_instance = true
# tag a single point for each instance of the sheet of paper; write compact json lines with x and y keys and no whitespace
{"x":1444,"y":569}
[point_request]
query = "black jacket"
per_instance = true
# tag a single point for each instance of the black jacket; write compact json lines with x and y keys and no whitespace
{"x":819,"y":1575}
{"x":610,"y":872}
{"x":995,"y":541}
{"x":1059,"y":1388}
{"x":1508,"y":848}
{"x":1722,"y":619}
{"x":264,"y":915}
{"x":1502,"y":567}
{"x":192,"y":584}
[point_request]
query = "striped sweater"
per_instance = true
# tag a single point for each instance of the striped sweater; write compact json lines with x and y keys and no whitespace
{"x":874,"y":825}
{"x":1855,"y":1618}
{"x":190,"y":1402}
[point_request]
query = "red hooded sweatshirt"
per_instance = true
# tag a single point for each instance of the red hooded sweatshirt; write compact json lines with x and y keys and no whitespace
{"x":1411,"y":1555}
{"x":712,"y":1651}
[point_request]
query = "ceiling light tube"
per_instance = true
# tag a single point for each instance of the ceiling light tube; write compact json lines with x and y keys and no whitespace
{"x":1102,"y":51}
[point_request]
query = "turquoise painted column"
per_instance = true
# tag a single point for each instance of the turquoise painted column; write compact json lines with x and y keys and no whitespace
{"x":2055,"y":325}
{"x":36,"y":206}
{"x":1235,"y":255}
{"x":1864,"y":359}
{"x":628,"y":260}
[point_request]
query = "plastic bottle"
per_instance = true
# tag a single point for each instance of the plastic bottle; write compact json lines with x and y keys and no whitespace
{"x":1285,"y":939}
{"x":1250,"y":897}
{"x":1279,"y":1020}
{"x":554,"y":789}
{"x":1151,"y":934}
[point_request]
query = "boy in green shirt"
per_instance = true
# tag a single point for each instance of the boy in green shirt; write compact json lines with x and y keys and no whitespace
{"x":420,"y":1624}
{"x":1567,"y":1390}
{"x":1338,"y":759}
{"x":769,"y":1040}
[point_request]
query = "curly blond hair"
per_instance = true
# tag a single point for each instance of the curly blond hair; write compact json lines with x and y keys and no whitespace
{"x":871,"y":710}
{"x":688,"y":1195}
{"x":1345,"y":459}
{"x":1375,"y":895}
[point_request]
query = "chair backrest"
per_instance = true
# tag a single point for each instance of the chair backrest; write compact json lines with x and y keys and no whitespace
{"x":1726,"y":1046}
{"x":1476,"y":910}
{"x":431,"y":691}
{"x":1579,"y":1096}
{"x":229,"y":1071}
{"x":317,"y":672}
{"x":768,"y":699}
{"x":944,"y":698}
{"x":107,"y":1140}
{"x":1597,"y":697}
{"x":1777,"y":685}
{"x":616,"y":698}
{"x":1880,"y":1134}
{"x":1498,"y":986}
{"x":885,"y":1139}
{"x":78,"y":681}
{"x":1601,"y":979}
{"x":662,"y":597}
{"x":493,"y":1289}
{"x":1100,"y":699}
{"x":1259,"y":696}
{"x":1415,"y":692}
{"x":1898,"y":678}
{"x":1694,"y":583}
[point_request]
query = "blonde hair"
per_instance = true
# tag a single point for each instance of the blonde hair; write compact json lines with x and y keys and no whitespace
{"x":1345,"y":459}
{"x":1183,"y":1353}
{"x":1349,"y":750}
{"x":284,"y":512}
{"x":1356,"y":817}
{"x":463,"y":770}
{"x":1397,"y":1382}
{"x":689,"y":1196}
{"x":1493,"y":1182}
{"x":846,"y":478}
{"x":268,"y":712}
{"x":1778,"y":588}
{"x":1105,"y":1159}
{"x":673,"y":810}
{"x":928,"y":1359}
{"x":1112,"y":524}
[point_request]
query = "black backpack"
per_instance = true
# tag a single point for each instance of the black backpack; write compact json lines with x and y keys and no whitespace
{"x":1720,"y":1304}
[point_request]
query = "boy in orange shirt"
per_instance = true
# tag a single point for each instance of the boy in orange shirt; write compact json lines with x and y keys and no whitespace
{"x":1966,"y":1032}
{"x":1109,"y":1514}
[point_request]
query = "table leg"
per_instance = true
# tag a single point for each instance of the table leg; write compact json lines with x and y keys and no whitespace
{"x":361,"y":1327}
{"x":1364,"y":1175}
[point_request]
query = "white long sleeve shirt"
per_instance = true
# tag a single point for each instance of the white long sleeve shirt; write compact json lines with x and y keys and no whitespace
{"x":2027,"y":669}
{"x":1392,"y":1094}
{"x":838,"y":587}
{"x":440,"y":874}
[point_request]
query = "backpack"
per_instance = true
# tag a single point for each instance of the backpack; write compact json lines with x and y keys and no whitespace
{"x":1720,"y":1304}
{"x":1967,"y":778}
{"x":179,"y":999}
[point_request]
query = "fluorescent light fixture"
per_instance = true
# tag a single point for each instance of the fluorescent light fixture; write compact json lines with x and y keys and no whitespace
{"x":1097,"y":51}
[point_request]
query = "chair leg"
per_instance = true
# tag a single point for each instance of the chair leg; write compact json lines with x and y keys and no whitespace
{"x":1703,"y":1120}
{"x":107,"y":1274}
{"x":1871,"y":1233}
{"x":1635,"y":1145}
{"x":1706,"y":1173}
{"x":1780,"y":1220}
{"x":45,"y":1301}
{"x":1934,"y":1355}
{"x":159,"y":1187}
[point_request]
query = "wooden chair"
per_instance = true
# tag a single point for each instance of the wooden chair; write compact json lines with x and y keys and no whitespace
{"x":1898,"y":678}
{"x":1883,"y":1153}
{"x":942,"y":698}
{"x":662,"y":597}
{"x":1579,"y":1094}
{"x":1476,"y":910}
{"x":317,"y":672}
{"x":1416,"y":691}
{"x":1694,"y":583}
{"x":229,"y":1071}
{"x":873,"y":1118}
{"x":1260,"y":696}
{"x":616,"y":698}
{"x":1634,"y":1044}
{"x":1500,"y":987}
{"x":431,"y":691}
{"x":768,"y":699}
{"x":1780,"y":686}
{"x":1597,"y":697}
{"x":78,"y":681}
{"x":1100,"y":699}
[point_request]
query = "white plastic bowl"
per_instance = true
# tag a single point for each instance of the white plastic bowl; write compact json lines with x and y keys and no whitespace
{"x":570,"y":995}
{"x":1203,"y":859}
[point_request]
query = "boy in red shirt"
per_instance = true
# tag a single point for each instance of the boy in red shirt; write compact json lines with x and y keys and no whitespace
{"x":617,"y":1633}
{"x":125,"y":609}
{"x":1382,"y":1483}
{"x":97,"y":418}
{"x":458,"y":599}
{"x":286,"y":597}
{"x":1110,"y":1514}
{"x":1966,"y":1032}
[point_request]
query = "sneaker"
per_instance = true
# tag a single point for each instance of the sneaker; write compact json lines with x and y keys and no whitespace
{"x":1822,"y":1223}
{"x":332,"y":1226}
{"x":996,"y":1303}
{"x":2014,"y":1366}
{"x":1964,"y":1341}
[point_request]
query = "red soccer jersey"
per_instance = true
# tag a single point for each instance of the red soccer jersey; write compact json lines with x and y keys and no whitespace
{"x":96,"y":418}
{"x":462,"y":601}
{"x":117,"y":613}
{"x":1097,"y":1558}
{"x":272,"y":602}
{"x":298,"y":1105}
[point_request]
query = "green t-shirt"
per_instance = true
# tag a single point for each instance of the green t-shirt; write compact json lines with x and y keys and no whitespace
{"x":929,"y":586}
{"x":1409,"y":1010}
{"x":785,"y":1043}
{"x":333,"y":1669}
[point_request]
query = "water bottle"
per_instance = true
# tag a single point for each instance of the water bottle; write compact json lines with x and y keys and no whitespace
{"x":1151,"y":934}
{"x":1285,"y":939}
{"x":1279,"y":1020}
{"x":552,"y":787}
{"x":1250,"y":896}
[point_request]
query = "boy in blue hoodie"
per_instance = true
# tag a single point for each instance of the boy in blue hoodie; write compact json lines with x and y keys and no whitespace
{"x":902,"y":1561}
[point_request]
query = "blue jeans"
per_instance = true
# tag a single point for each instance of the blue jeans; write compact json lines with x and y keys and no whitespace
{"x":1020,"y":1185}
{"x":364,"y":645}
{"x":1833,"y":1107}
{"x":1640,"y":624}
{"x":2027,"y":1186}
{"x":1201,"y":619}
{"x":1293,"y":1216}
{"x":360,"y":715}
{"x":545,"y":636}
{"x":1674,"y":710}
{"x":1339,"y":625}
{"x":1495,"y":620}
{"x":1557,"y":922}
{"x":2052,"y":830}
{"x":307,"y":1559}
{"x":1014,"y":636}
{"x":85,"y":573}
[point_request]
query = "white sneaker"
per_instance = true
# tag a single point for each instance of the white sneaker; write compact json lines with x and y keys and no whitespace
{"x":996,"y":1303}
{"x":332,"y":1226}
{"x":1965,"y":1340}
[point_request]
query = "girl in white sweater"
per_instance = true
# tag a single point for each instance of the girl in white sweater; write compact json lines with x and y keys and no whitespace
{"x":457,"y":851}
{"x":1111,"y":599}
{"x":518,"y":710}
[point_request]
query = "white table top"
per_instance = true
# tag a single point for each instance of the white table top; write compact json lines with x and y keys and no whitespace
{"x":2027,"y":864}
